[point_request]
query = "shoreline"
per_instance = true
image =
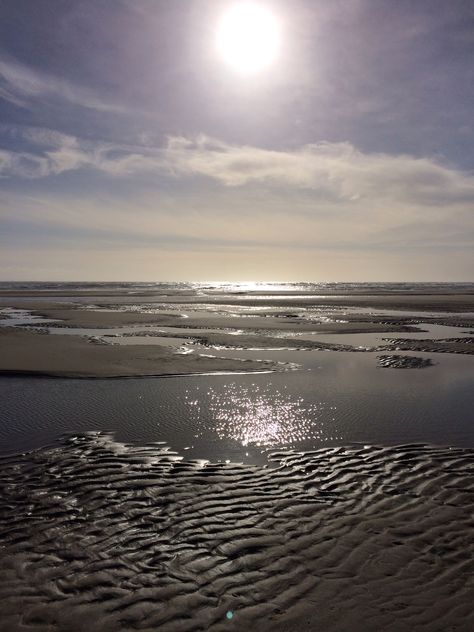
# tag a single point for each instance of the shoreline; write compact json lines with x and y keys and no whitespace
{"x":72,"y":376}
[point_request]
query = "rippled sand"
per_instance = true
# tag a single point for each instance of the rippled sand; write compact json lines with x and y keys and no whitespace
{"x":98,"y":536}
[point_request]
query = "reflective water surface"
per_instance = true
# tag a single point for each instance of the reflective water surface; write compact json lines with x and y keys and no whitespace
{"x":334,"y":399}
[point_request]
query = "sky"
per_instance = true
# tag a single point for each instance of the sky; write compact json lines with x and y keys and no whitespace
{"x":130,"y":149}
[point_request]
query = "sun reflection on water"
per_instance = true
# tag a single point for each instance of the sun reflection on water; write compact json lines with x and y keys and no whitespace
{"x":261,"y":415}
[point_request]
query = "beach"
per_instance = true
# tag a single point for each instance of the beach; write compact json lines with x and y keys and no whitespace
{"x":308,"y":464}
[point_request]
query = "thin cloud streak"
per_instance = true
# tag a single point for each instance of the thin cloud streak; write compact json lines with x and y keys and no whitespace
{"x":23,"y":86}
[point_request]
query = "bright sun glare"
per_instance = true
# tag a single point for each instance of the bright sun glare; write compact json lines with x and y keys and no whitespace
{"x":248,"y":37}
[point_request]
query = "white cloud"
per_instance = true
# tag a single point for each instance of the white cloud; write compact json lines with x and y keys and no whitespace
{"x":332,"y":171}
{"x":338,"y":169}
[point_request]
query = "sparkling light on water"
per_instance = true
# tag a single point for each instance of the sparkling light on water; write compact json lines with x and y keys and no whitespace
{"x":260,"y":415}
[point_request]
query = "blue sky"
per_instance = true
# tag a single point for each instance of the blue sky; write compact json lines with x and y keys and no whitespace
{"x":130,"y":150}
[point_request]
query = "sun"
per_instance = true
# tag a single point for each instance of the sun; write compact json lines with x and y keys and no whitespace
{"x":248,"y":37}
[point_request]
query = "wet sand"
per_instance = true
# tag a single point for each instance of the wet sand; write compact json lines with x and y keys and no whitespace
{"x":102,"y":537}
{"x":28,"y":353}
{"x":244,"y":321}
{"x":73,"y":316}
{"x":441,"y":303}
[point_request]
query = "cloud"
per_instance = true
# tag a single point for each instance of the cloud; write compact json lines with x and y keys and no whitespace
{"x":22,"y":85}
{"x":55,"y":154}
{"x":334,"y":173}
{"x":336,"y":168}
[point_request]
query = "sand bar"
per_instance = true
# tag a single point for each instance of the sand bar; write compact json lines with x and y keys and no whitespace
{"x":27,"y":353}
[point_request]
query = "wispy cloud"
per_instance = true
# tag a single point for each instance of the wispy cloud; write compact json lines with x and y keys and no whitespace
{"x":337,"y":168}
{"x":333,"y":172}
{"x":23,"y":85}
{"x":53,"y":154}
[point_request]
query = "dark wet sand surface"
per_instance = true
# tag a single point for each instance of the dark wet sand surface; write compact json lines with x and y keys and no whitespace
{"x":103,"y":537}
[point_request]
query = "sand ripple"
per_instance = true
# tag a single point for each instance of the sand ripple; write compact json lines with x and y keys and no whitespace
{"x":95,"y":535}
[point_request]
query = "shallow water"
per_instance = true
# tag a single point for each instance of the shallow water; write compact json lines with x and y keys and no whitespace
{"x":427,"y":331}
{"x":10,"y":317}
{"x":116,"y":333}
{"x":405,"y":313}
{"x":336,"y":398}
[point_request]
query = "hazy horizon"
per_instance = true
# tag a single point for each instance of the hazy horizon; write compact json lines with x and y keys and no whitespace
{"x":249,"y":281}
